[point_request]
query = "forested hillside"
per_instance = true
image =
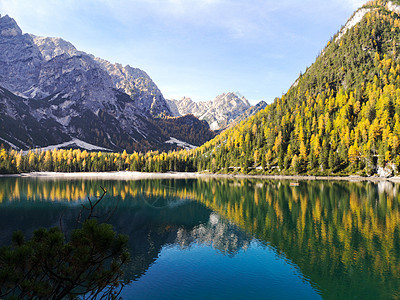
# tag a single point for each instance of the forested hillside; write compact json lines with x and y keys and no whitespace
{"x":341,"y":115}
{"x":187,"y":128}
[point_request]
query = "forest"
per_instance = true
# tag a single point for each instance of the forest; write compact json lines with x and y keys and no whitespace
{"x":341,"y":117}
{"x":76,"y":160}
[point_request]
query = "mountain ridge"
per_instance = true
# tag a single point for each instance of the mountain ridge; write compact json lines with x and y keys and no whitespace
{"x":342,"y":116}
{"x":219,"y":112}
{"x":87,"y":98}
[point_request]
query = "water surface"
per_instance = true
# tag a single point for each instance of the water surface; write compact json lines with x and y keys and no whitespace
{"x":232,"y":238}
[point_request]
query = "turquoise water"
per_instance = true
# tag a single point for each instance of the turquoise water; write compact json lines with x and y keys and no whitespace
{"x":200,"y":272}
{"x":232,"y":239}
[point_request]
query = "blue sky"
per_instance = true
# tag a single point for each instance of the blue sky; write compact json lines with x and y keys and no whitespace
{"x":195,"y":48}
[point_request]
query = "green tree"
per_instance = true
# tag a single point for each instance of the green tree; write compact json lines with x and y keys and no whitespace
{"x":49,"y":267}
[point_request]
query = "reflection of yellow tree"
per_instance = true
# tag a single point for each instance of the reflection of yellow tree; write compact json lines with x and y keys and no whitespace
{"x":336,"y":225}
{"x":332,"y":226}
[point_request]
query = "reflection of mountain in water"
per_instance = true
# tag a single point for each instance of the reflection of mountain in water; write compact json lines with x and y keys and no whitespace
{"x":344,"y":237}
{"x":151,"y":218}
{"x":172,"y":221}
{"x":222,"y":235}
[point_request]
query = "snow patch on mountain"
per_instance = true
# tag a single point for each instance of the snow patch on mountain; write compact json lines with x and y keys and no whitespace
{"x":76,"y":143}
{"x":64,"y":121}
{"x":8,"y":142}
{"x":182,"y":144}
{"x":353,"y":21}
{"x":214,"y":125}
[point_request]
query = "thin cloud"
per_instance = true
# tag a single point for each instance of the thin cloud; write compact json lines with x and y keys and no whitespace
{"x":238,"y":18}
{"x":354,"y":4}
{"x":229,"y":43}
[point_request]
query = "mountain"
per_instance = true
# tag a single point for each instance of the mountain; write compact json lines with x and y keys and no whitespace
{"x":14,"y":119}
{"x":219,"y":113}
{"x":66,"y":94}
{"x":342,"y":116}
{"x":186,"y":128}
{"x":251,"y":111}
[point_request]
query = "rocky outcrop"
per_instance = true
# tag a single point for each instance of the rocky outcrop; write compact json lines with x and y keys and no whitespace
{"x":219,"y":113}
{"x":138,"y":85}
{"x":249,"y":112}
{"x":88,"y":98}
{"x":20,"y":59}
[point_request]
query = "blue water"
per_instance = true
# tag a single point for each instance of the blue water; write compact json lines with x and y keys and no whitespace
{"x":232,"y":238}
{"x":201,"y":272}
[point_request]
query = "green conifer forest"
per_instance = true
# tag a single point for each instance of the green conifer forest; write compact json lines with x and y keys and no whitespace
{"x":341,"y":117}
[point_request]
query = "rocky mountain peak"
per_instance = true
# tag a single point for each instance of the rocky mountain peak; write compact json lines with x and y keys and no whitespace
{"x":85,"y":97}
{"x":51,"y":47}
{"x":187,"y":101}
{"x":231,"y":98}
{"x":218,"y":113}
{"x":38,"y":67}
{"x":138,"y":85}
{"x":8,"y":27}
{"x":20,"y":59}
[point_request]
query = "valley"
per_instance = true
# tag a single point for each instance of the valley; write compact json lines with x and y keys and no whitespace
{"x":109,"y":189}
{"x":340,"y":117}
{"x":52,"y":94}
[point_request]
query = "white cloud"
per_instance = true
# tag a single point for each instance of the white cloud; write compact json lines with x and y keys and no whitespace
{"x":220,"y":43}
{"x":240,"y":19}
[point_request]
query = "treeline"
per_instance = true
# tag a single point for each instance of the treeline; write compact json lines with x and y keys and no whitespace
{"x":342,"y":116}
{"x":76,"y":160}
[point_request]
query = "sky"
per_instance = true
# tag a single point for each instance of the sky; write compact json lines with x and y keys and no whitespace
{"x":195,"y":48}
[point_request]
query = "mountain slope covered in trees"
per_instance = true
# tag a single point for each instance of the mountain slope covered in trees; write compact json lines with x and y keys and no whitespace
{"x":341,"y":116}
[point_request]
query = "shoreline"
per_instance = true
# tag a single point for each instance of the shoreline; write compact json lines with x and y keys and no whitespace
{"x":129,"y":175}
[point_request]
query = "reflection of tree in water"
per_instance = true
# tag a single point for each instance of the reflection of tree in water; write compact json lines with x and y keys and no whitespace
{"x":153,"y":213}
{"x":221,"y":234}
{"x":342,"y":235}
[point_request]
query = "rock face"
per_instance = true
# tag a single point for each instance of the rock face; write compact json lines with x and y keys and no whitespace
{"x":219,"y":113}
{"x":18,"y":127}
{"x":251,"y":111}
{"x":20,"y":59}
{"x":137,"y":84}
{"x":82,"y":96}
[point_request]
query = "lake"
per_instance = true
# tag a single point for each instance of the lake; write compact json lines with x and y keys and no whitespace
{"x":232,"y":238}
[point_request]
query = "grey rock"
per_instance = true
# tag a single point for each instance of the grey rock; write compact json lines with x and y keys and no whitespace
{"x":90,"y":98}
{"x":219,"y":113}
